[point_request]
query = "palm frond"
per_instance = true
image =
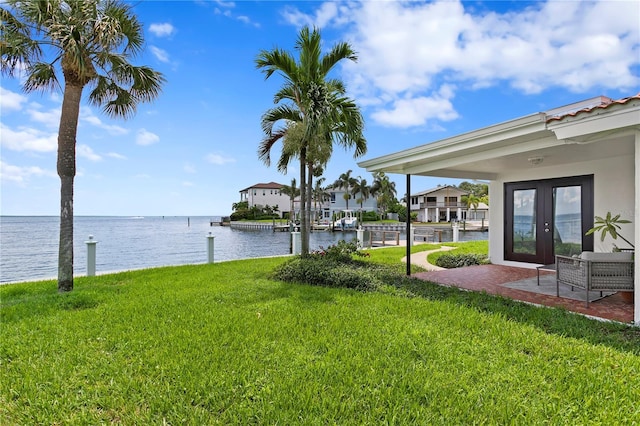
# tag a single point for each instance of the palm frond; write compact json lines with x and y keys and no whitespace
{"x":41,"y":76}
{"x":264,"y":149}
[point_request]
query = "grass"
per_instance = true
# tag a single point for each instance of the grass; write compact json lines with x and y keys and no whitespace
{"x":225,"y":344}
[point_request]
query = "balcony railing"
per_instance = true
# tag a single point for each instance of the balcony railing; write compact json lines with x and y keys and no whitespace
{"x":443,"y":204}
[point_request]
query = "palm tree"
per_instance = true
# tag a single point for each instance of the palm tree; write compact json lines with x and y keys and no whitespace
{"x":473,"y":201}
{"x":345,"y":181}
{"x":384,"y":189}
{"x":361,"y":187}
{"x":90,"y":43}
{"x":314,"y":111}
{"x":320,"y":194}
{"x":292,"y":191}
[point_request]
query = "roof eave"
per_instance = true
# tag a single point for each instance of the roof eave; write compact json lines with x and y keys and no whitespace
{"x":476,"y":140}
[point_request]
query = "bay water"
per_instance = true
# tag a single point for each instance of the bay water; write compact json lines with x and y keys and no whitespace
{"x":29,"y":245}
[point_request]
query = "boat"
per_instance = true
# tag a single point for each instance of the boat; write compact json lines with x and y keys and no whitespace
{"x":346,"y":220}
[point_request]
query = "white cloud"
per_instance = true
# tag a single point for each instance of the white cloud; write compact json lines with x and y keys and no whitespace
{"x":28,"y":139}
{"x":188,"y":184}
{"x":145,"y":137}
{"x":417,"y":111}
{"x":162,"y":30}
{"x":326,"y":13}
{"x":188,"y":168}
{"x":86,"y":116}
{"x":85,"y":151}
{"x":116,"y":156}
{"x":49,"y":118}
{"x":11,"y":101}
{"x":245,"y":19}
{"x":225,"y":3}
{"x":160,"y":54}
{"x":21,"y":175}
{"x":408,"y":50}
{"x":219,"y":159}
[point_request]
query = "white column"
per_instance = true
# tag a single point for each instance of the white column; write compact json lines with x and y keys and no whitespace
{"x":455,"y":232}
{"x":210,"y":238}
{"x":411,"y":236}
{"x":360,"y":236}
{"x":636,"y":226}
{"x":296,"y":243}
{"x":91,"y":256}
{"x":437,"y":218}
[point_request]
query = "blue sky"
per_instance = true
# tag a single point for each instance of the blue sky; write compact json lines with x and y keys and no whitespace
{"x":426,"y":71}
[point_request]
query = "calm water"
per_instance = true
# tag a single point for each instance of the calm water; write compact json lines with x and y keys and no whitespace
{"x":29,"y":245}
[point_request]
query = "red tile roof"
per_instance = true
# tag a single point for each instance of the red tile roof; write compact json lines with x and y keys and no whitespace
{"x":604,"y":103}
{"x":270,"y":185}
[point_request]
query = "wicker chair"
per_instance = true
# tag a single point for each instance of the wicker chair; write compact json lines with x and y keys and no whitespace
{"x":595,"y":272}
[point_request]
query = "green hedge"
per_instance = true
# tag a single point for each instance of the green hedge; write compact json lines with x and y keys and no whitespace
{"x":459,"y":260}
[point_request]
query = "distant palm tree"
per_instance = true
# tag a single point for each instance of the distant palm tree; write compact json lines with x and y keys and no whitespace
{"x":292,"y":191}
{"x":362,"y":188}
{"x":320,"y":194}
{"x":90,"y":43}
{"x":473,"y":201}
{"x":345,"y":181}
{"x":384,"y":190}
{"x":314,"y":111}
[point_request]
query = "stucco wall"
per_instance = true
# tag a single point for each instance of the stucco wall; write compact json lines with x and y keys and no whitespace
{"x":614,"y":191}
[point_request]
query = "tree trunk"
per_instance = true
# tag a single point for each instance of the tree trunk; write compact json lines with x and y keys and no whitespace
{"x":304,"y":231}
{"x":67,"y":170}
{"x":309,"y":198}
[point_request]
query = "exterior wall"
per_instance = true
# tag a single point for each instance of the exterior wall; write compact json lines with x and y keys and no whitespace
{"x":614,"y":191}
{"x":442,"y":211}
{"x":266,"y":196}
{"x":338,"y":203}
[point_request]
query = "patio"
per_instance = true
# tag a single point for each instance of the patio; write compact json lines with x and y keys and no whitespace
{"x":493,"y":278}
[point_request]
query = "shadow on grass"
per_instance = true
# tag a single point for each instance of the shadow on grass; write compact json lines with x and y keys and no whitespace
{"x":552,"y":320}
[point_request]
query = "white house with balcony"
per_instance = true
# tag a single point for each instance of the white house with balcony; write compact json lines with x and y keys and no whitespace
{"x":267,"y":194}
{"x":440,"y":204}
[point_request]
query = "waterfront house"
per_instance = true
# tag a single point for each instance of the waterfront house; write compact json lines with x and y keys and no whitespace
{"x":267,"y":194}
{"x":440,"y":204}
{"x":341,"y":199}
{"x":549,"y":173}
{"x":270,"y":194}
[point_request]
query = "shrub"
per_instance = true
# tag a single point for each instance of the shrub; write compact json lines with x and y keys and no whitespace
{"x":335,"y":270}
{"x":342,"y":251}
{"x":370,"y":216}
{"x":239,"y":215}
{"x":459,"y":260}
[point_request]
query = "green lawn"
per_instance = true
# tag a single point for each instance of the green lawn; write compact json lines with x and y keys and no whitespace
{"x":225,"y":344}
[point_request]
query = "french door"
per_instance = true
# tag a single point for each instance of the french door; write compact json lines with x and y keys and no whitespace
{"x":548,"y":217}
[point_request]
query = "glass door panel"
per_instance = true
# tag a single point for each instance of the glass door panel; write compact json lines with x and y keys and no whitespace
{"x":567,"y":220}
{"x":524,"y":221}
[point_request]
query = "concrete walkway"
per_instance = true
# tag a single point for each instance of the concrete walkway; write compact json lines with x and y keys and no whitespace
{"x":420,"y":258}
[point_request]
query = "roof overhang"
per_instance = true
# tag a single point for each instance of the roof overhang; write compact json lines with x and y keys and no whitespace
{"x":483,"y":154}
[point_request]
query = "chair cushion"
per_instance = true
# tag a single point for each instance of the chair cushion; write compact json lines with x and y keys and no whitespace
{"x":604,"y":257}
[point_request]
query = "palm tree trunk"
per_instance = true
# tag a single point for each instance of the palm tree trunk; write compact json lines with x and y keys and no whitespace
{"x":309,"y":197}
{"x":304,"y":231}
{"x":67,"y":170}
